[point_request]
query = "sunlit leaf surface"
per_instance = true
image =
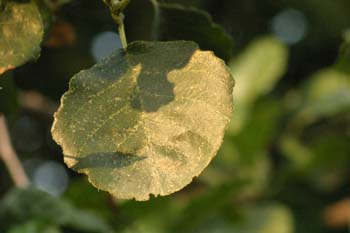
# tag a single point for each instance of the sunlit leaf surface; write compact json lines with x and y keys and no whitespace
{"x":146,"y":121}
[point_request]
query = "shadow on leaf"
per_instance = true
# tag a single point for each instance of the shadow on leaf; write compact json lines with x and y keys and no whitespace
{"x":154,"y":90}
{"x":105,"y":160}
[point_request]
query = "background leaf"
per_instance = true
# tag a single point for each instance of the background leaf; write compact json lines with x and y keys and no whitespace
{"x":315,"y":130}
{"x":187,"y":23}
{"x":256,"y":72}
{"x":266,"y":218}
{"x":21,"y":32}
{"x":162,"y":21}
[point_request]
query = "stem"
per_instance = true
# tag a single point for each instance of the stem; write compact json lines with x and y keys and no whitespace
{"x":10,"y":158}
{"x":156,"y":20}
{"x":121,"y":31}
{"x":116,"y":8}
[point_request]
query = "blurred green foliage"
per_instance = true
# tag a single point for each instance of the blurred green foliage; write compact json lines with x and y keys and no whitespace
{"x":284,"y":158}
{"x":32,"y":210}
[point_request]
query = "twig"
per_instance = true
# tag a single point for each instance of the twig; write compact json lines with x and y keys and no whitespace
{"x":37,"y":102}
{"x":9,"y":156}
{"x":121,"y":32}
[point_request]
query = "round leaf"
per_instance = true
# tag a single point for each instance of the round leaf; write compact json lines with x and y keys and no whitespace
{"x":146,"y":121}
{"x":21,"y":32}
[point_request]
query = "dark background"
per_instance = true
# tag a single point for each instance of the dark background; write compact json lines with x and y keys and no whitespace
{"x":278,"y":171}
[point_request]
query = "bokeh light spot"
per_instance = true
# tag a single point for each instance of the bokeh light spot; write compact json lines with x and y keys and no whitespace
{"x":290,"y":26}
{"x":51,"y":177}
{"x":27,"y":135}
{"x":104,"y":44}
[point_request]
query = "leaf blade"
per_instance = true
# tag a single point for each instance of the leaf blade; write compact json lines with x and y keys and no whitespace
{"x":152,"y":118}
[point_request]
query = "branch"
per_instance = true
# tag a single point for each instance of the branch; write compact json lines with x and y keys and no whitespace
{"x":9,"y":156}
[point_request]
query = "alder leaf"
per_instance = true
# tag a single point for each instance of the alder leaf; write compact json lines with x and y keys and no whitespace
{"x":146,"y":121}
{"x":21,"y":32}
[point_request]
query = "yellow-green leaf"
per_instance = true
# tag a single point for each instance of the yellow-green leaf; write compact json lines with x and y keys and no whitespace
{"x":146,"y":121}
{"x":21,"y":32}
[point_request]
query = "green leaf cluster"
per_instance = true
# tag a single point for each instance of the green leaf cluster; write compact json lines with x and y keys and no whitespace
{"x":30,"y":210}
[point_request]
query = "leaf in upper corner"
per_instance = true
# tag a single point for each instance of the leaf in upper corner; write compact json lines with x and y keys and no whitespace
{"x":256,"y":72}
{"x":179,"y":23}
{"x":21,"y":32}
{"x":146,"y":121}
{"x":30,"y":207}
